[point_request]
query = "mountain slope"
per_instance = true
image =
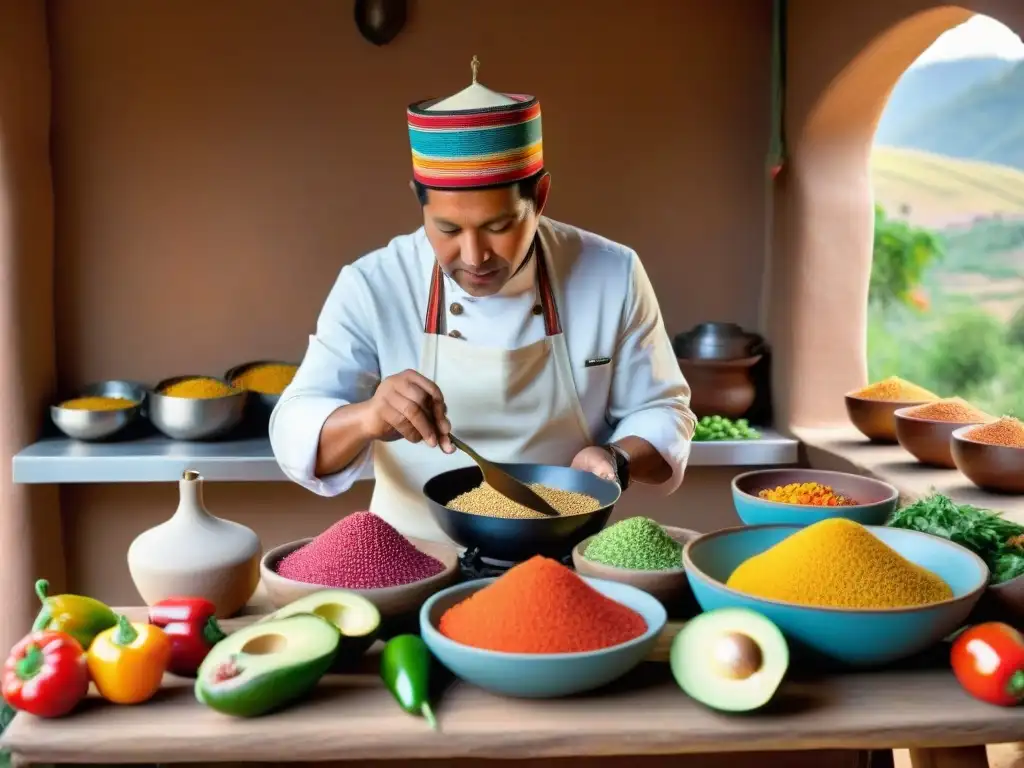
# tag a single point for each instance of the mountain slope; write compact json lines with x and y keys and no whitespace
{"x":984,"y":122}
{"x":939,"y":191}
{"x":922,"y":89}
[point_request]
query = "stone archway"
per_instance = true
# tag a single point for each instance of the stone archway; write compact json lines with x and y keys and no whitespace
{"x":824,"y":218}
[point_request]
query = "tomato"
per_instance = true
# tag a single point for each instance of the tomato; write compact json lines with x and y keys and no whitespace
{"x":988,"y":661}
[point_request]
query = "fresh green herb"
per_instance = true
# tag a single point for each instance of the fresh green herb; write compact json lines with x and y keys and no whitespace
{"x":997,"y":541}
{"x":720,"y":428}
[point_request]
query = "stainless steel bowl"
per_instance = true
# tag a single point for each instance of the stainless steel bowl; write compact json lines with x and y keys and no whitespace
{"x":717,"y":341}
{"x":259,"y":403}
{"x":99,"y":425}
{"x":192,"y":418}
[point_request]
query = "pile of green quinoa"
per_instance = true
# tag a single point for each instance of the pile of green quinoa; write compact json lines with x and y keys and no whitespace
{"x":637,"y":543}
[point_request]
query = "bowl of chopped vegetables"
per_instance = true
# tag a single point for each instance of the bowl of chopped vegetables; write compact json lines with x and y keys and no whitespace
{"x":996,"y":540}
{"x":804,"y":496}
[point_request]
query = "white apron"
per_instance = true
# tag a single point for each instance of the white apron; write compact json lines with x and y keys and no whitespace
{"x":517,"y":405}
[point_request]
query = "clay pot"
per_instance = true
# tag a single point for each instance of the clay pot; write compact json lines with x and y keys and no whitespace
{"x":720,"y":387}
{"x":195,"y":554}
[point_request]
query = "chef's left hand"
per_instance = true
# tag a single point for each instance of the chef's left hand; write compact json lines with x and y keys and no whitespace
{"x":596,"y":460}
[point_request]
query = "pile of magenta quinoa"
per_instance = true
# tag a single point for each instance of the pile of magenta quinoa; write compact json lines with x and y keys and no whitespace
{"x":360,"y":551}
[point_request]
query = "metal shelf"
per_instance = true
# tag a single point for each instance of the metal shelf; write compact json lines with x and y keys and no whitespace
{"x":157,"y":459}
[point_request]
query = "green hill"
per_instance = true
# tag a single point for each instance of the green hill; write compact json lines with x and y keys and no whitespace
{"x":982,"y":120}
{"x":939,"y":191}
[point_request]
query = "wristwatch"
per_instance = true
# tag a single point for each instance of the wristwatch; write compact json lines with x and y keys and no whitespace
{"x":621,"y":460}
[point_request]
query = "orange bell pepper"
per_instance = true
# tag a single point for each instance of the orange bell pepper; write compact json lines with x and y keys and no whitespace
{"x":127,"y":662}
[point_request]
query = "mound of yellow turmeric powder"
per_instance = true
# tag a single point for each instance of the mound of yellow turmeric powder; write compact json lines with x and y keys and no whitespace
{"x":268,"y":379}
{"x":96,"y":403}
{"x":895,"y":389}
{"x":198,"y":388}
{"x":838,"y":563}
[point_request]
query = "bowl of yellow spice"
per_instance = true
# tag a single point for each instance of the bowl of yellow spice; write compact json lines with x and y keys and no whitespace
{"x":196,"y":407}
{"x":99,"y":411}
{"x":265,"y":380}
{"x":859,"y":595}
{"x":872,"y":409}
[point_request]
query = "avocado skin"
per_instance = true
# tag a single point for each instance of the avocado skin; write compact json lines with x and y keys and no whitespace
{"x":268,"y":691}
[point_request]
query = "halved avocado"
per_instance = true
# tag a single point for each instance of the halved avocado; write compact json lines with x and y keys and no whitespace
{"x":355,"y":617}
{"x":266,"y":666}
{"x":730,"y":659}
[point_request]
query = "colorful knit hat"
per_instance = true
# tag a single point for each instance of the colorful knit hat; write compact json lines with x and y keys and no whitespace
{"x":476,"y":138}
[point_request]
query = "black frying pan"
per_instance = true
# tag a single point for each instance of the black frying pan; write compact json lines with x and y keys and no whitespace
{"x":515,"y":540}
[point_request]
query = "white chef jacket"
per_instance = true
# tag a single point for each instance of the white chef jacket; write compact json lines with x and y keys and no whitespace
{"x":371,"y":327}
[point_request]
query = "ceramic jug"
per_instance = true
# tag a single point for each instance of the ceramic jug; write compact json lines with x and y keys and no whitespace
{"x":195,"y":554}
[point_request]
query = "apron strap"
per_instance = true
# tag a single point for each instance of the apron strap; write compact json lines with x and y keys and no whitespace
{"x":435,"y":299}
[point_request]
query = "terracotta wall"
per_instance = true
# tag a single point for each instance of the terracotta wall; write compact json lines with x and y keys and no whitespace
{"x":215,"y":164}
{"x":841,"y":68}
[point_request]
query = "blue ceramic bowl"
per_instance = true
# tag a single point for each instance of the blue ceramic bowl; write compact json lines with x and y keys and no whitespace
{"x":851,"y":636}
{"x":541,"y":676}
{"x":876,"y":500}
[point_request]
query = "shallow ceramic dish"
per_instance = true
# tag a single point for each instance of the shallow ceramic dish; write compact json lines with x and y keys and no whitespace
{"x":514,"y":540}
{"x":541,"y":676}
{"x":195,"y":418}
{"x":876,"y":500}
{"x":996,"y":468}
{"x":260,"y":405}
{"x":669,"y":585}
{"x":390,"y":601}
{"x":876,"y":419}
{"x":99,"y":425}
{"x":928,"y":441}
{"x":854,"y":637}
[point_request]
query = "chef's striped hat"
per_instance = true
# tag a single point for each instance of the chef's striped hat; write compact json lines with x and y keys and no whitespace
{"x":476,"y":138}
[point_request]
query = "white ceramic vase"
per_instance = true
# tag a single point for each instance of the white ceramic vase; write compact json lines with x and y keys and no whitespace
{"x":195,"y":554}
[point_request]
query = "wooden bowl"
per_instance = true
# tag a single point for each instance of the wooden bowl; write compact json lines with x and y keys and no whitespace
{"x":995,"y":468}
{"x":876,"y":419}
{"x":390,"y":601}
{"x":670,"y":586}
{"x":1005,"y":602}
{"x":927,"y":440}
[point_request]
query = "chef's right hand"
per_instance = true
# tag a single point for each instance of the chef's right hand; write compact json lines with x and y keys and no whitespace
{"x":409,"y":405}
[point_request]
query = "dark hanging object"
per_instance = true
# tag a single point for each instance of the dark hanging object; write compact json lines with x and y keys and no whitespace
{"x":380,"y":21}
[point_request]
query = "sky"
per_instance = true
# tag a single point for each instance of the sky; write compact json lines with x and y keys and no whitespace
{"x":979,"y":36}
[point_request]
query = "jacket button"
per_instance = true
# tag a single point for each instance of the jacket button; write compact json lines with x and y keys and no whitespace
{"x":456,"y":308}
{"x":455,"y":334}
{"x":538,"y":309}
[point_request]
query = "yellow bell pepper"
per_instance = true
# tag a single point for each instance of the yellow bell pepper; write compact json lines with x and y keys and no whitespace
{"x":127,"y":662}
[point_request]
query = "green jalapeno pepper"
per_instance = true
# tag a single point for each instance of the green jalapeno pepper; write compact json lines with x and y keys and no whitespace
{"x":405,"y":669}
{"x":81,"y":617}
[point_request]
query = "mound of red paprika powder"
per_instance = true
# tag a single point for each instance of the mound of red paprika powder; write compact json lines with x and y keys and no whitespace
{"x":540,"y":606}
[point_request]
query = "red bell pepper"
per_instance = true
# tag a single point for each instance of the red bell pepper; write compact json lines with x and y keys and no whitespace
{"x":46,"y":674}
{"x":190,"y":624}
{"x":988,"y":661}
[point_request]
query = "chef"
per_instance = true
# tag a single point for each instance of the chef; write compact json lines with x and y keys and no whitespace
{"x":532,"y":340}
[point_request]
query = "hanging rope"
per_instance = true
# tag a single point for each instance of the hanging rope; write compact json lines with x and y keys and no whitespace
{"x":777,"y":148}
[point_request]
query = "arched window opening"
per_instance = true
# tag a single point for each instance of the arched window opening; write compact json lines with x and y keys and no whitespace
{"x":946,"y":296}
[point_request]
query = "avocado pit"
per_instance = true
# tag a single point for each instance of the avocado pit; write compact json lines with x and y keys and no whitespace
{"x":737,"y":656}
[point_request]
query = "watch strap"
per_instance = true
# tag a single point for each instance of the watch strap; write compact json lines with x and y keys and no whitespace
{"x":621,"y":460}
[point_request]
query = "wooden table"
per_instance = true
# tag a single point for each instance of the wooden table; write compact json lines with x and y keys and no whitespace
{"x":354,"y":718}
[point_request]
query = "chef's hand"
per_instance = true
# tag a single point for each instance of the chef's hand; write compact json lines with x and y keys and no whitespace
{"x":409,"y":405}
{"x":597,"y":460}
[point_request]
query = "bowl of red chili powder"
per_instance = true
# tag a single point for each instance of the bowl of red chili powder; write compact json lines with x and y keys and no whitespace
{"x":364,"y":554}
{"x":540,"y":630}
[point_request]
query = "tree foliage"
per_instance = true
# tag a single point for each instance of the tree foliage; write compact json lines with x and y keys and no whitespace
{"x":902,"y":255}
